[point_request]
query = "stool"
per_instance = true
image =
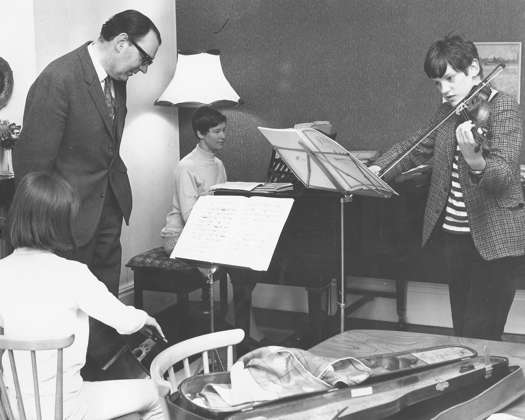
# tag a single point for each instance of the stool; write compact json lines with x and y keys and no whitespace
{"x":154,"y":270}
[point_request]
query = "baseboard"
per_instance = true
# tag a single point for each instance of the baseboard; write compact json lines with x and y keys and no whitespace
{"x":125,"y":293}
{"x":427,"y":304}
{"x":290,"y":320}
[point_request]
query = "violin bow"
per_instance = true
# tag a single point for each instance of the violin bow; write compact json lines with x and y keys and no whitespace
{"x":456,"y":110}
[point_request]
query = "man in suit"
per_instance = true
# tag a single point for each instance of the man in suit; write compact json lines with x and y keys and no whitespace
{"x":73,"y":122}
{"x":475,"y":211}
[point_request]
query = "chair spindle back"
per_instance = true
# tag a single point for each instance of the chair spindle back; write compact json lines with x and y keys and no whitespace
{"x":32,"y":346}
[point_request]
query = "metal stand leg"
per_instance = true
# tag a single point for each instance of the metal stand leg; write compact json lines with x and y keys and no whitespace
{"x":342,"y":304}
{"x":215,"y":362}
{"x":210,"y":282}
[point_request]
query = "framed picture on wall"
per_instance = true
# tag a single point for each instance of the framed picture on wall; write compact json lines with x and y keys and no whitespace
{"x":509,"y":53}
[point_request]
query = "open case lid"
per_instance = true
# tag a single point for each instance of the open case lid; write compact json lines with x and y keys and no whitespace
{"x":463,"y":377}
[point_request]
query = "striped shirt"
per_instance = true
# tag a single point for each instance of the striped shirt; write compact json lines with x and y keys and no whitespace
{"x":456,"y":217}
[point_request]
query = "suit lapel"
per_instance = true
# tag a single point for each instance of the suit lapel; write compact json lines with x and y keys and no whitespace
{"x":94,"y":88}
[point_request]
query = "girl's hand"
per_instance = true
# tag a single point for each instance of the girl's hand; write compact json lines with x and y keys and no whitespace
{"x":152,"y":322}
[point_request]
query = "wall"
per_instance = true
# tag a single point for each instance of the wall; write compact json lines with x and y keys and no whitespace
{"x":150,"y":140}
{"x":356,"y":63}
{"x":20,"y":55}
{"x":23,"y":68}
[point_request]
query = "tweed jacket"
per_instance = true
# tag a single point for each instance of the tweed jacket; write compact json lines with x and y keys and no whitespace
{"x":494,"y":200}
{"x":67,"y":129}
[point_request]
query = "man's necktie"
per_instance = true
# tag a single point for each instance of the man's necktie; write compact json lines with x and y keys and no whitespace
{"x":110,"y":101}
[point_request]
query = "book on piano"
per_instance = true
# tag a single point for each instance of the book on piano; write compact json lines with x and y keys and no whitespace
{"x":273,"y":187}
{"x":256,"y":187}
{"x":236,"y":186}
{"x":321,"y":163}
{"x":233,"y":230}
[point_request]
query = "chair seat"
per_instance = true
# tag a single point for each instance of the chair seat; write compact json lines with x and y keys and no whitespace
{"x":157,"y":258}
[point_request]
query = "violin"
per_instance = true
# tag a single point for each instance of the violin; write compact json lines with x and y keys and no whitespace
{"x":473,"y":107}
{"x":478,"y":111}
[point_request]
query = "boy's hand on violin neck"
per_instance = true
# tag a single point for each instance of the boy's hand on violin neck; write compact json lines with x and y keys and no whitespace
{"x":469,"y":146}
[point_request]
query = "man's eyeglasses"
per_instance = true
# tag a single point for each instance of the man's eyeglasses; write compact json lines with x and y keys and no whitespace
{"x":146,"y":58}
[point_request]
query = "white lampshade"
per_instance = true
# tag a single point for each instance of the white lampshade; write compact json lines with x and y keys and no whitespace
{"x":198,"y":80}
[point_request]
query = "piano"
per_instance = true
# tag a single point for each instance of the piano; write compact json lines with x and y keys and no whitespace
{"x":381,"y":237}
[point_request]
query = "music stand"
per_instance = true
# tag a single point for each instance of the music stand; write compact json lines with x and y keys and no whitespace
{"x":321,"y":163}
{"x":232,"y":231}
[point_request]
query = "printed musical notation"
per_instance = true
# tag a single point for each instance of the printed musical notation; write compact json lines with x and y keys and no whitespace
{"x":233,"y":230}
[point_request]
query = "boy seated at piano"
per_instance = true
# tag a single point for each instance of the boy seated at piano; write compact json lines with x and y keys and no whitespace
{"x":194,"y":175}
{"x":196,"y":172}
{"x":45,"y":296}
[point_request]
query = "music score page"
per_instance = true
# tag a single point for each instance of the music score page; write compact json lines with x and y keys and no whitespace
{"x":233,"y":230}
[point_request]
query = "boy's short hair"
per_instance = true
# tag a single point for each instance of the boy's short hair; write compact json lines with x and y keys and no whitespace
{"x":205,"y":118}
{"x":42,"y":212}
{"x":453,"y":50}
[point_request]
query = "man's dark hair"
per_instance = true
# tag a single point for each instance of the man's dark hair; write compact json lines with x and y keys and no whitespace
{"x":42,"y":212}
{"x":205,"y":118}
{"x":453,"y":50}
{"x":131,"y":22}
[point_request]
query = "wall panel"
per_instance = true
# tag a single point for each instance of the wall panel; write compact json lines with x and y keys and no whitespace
{"x":357,"y":63}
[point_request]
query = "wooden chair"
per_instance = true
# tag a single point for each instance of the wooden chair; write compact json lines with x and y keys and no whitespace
{"x":163,"y":363}
{"x":32,"y":346}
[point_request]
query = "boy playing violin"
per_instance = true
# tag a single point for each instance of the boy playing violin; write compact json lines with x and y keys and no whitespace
{"x":475,"y":209}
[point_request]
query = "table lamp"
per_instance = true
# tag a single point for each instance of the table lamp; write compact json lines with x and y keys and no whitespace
{"x":198,"y":80}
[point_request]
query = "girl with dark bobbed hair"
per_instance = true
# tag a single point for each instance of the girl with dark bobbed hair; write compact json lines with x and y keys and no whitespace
{"x":47,"y":296}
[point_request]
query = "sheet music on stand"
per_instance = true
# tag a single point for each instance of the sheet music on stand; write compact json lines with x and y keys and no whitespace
{"x":321,"y":163}
{"x":233,"y":230}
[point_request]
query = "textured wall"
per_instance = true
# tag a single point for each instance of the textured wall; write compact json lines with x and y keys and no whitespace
{"x":356,"y":63}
